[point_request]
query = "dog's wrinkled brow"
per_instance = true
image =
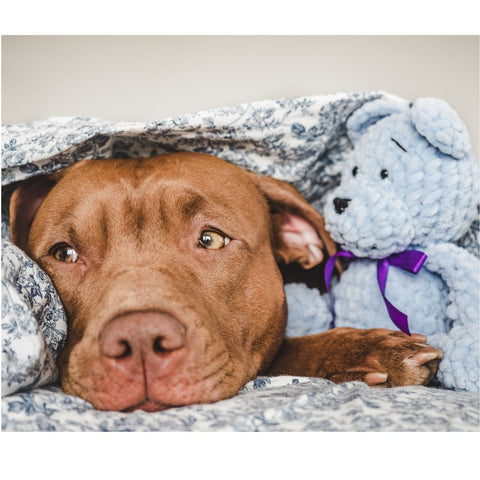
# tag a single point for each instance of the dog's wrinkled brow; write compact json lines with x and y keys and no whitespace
{"x":75,"y":238}
{"x":190,"y":203}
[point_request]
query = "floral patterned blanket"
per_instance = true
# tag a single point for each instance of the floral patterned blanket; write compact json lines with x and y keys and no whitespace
{"x":300,"y":140}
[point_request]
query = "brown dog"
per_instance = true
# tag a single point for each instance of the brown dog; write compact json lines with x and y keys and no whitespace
{"x":167,"y":268}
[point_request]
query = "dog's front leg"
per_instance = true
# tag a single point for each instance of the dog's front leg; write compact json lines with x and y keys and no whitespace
{"x":378,"y":357}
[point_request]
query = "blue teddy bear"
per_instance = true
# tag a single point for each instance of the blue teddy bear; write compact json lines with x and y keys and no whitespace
{"x":409,"y":189}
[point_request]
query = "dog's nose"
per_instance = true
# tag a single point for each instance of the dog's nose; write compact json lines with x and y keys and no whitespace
{"x":141,"y":335}
{"x":341,"y":204}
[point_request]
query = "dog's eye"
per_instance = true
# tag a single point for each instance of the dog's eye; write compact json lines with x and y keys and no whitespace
{"x":384,"y":174}
{"x":64,"y":253}
{"x":354,"y":171}
{"x":213,"y":240}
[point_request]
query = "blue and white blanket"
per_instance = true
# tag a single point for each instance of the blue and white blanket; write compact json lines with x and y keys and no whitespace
{"x":300,"y":140}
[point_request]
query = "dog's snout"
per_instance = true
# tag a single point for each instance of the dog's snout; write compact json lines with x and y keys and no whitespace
{"x":141,"y":335}
{"x":341,"y":204}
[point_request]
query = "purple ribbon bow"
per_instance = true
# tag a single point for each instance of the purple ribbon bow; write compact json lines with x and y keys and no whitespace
{"x":410,"y":260}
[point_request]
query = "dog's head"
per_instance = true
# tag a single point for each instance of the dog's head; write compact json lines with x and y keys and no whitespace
{"x":167,"y":268}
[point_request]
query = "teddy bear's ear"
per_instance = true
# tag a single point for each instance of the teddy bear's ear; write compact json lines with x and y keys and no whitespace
{"x":371,"y":112}
{"x":435,"y":120}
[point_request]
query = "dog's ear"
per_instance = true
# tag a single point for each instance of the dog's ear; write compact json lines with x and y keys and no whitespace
{"x":299,"y":233}
{"x":24,"y":204}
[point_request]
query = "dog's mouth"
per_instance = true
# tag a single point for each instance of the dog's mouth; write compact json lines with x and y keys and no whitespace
{"x":148,"y":405}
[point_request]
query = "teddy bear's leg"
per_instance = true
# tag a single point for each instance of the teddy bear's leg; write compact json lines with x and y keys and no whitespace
{"x":461,"y":358}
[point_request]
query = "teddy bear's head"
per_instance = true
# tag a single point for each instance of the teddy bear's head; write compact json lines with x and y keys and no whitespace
{"x":410,"y":180}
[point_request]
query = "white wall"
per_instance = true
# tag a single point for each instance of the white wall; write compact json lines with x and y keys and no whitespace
{"x":149,"y":78}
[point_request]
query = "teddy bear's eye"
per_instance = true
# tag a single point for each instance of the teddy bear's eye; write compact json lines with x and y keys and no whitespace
{"x":384,"y":174}
{"x":354,"y":171}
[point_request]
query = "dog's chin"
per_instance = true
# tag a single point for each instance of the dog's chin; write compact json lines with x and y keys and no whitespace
{"x":148,"y":405}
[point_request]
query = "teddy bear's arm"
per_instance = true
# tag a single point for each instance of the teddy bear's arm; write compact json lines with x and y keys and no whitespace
{"x":460,"y":271}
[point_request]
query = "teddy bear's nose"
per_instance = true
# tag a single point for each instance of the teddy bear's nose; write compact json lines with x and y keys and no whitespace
{"x":341,"y":204}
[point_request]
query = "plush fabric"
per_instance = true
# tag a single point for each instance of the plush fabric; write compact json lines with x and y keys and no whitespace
{"x":302,"y":140}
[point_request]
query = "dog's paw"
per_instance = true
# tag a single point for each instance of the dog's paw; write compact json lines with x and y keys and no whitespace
{"x":388,"y":358}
